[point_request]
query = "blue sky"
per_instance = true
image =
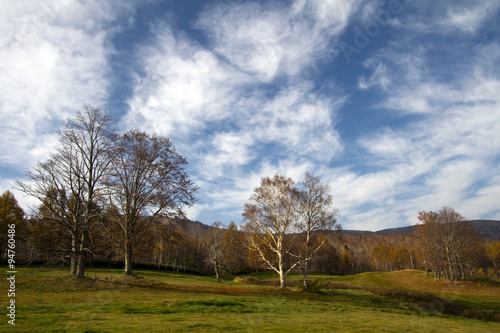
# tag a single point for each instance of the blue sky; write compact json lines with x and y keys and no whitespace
{"x":395,"y":104}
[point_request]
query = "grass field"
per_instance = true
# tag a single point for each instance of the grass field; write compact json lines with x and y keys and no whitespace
{"x":49,"y":300}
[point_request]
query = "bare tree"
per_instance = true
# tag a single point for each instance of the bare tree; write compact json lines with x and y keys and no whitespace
{"x":447,"y":242}
{"x":69,"y":182}
{"x":318,"y":217}
{"x":429,"y":242}
{"x":212,"y":240}
{"x":50,"y":240}
{"x":451,"y":237}
{"x":271,"y":215}
{"x":148,"y":179}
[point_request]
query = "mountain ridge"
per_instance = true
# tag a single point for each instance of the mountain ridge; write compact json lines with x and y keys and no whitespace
{"x":488,"y":229}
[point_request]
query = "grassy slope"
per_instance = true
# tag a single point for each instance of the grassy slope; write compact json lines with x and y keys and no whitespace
{"x":49,"y":300}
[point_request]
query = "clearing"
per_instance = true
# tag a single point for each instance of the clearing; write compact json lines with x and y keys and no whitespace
{"x":156,"y":301}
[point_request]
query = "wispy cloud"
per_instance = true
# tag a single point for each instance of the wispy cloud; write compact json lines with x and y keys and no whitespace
{"x":226,"y":85}
{"x":54,"y":57}
{"x":442,"y":158}
{"x":220,"y":101}
{"x":469,"y":16}
{"x":250,"y":89}
{"x":446,"y":18}
{"x":272,"y":39}
{"x":183,"y":88}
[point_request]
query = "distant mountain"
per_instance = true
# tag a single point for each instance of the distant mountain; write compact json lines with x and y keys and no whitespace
{"x":392,"y":231}
{"x":402,"y":230}
{"x":489,"y":229}
{"x":357,"y":232}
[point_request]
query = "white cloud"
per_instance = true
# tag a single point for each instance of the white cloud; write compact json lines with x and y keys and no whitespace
{"x":27,"y":203}
{"x":373,"y":220}
{"x":245,"y":104}
{"x":469,"y":19}
{"x":217,"y":101}
{"x":448,"y":17}
{"x":388,"y":145}
{"x":228,"y":152}
{"x":446,"y":157}
{"x":302,"y":122}
{"x":268,"y":40}
{"x":379,"y":76}
{"x":449,"y":183}
{"x":184,"y":87}
{"x":484,"y":200}
{"x":54,"y":57}
{"x":229,"y":193}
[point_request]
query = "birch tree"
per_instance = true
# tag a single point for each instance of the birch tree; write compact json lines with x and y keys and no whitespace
{"x":447,"y":242}
{"x":212,"y":240}
{"x":271,"y":214}
{"x":318,"y":217}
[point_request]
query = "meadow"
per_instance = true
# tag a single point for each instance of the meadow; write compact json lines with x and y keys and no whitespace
{"x":49,"y":300}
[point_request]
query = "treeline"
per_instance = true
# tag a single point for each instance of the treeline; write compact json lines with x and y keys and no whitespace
{"x":444,"y":245}
{"x":110,"y":198}
{"x":182,"y":245}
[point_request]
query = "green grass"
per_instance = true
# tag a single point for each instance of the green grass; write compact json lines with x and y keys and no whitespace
{"x":50,"y":301}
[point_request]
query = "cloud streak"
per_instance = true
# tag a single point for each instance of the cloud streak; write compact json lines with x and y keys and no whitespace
{"x":50,"y":65}
{"x":248,"y":89}
{"x":223,"y":101}
{"x":445,"y":156}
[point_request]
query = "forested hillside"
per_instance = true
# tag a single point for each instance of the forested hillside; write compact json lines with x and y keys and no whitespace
{"x":488,"y":229}
{"x":177,"y":245}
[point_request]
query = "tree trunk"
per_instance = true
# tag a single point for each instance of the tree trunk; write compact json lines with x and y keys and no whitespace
{"x":281,"y":271}
{"x":161,"y":253}
{"x":462,"y":271}
{"x":495,"y":265}
{"x":74,"y":254}
{"x":282,"y":279}
{"x":74,"y":264}
{"x":128,"y":259}
{"x":216,"y":264}
{"x":80,"y":266}
{"x":304,"y":273}
{"x":82,"y":255}
{"x":450,"y":264}
{"x":306,"y":261}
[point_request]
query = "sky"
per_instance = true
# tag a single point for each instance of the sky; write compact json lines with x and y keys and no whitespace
{"x":395,"y":104}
